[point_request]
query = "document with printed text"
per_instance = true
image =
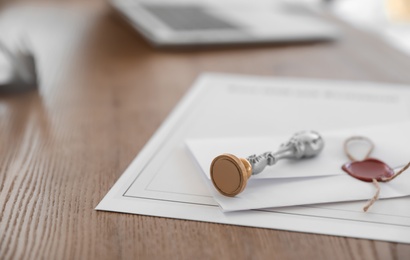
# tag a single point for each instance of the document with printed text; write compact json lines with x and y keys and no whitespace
{"x":166,"y":180}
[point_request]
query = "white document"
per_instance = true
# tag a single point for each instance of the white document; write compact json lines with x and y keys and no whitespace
{"x":164,"y":179}
{"x":316,"y":180}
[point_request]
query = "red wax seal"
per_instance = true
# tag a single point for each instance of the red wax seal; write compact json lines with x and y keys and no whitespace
{"x":368,"y":169}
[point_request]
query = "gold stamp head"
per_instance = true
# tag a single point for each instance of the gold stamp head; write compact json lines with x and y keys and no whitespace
{"x":230,"y":174}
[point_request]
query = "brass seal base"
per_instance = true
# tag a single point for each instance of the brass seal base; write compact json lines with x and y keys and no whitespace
{"x":230,"y":174}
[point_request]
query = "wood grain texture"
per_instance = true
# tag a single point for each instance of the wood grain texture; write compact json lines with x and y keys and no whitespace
{"x":60,"y":152}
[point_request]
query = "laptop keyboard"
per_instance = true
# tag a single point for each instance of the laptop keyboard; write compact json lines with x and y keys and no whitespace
{"x":188,"y":18}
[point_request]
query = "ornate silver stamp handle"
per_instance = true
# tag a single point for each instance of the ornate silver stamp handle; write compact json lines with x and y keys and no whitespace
{"x":230,"y":174}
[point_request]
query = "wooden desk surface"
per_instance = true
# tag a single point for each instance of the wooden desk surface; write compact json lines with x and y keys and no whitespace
{"x":60,"y":152}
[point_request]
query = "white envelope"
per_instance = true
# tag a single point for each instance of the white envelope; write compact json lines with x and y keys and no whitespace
{"x":310,"y":181}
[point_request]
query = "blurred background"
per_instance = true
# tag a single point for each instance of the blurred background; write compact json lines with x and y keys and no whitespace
{"x":31,"y":29}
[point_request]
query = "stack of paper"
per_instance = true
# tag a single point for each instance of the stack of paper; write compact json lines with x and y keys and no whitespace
{"x":245,"y":115}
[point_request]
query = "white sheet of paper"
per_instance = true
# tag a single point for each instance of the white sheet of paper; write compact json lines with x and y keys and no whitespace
{"x":392,"y":144}
{"x":164,"y":180}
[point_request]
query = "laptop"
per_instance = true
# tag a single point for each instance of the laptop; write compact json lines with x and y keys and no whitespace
{"x":184,"y":23}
